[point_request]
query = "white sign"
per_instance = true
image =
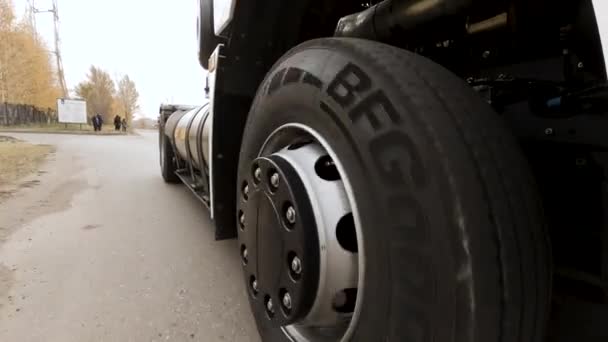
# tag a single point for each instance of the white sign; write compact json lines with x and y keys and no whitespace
{"x":72,"y":111}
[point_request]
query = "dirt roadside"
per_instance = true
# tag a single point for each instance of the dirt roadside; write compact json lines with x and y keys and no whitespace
{"x":31,"y":185}
{"x":34,"y":181}
{"x":18,"y":159}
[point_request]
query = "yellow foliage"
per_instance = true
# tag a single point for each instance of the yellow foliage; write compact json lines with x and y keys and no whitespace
{"x":26,"y":72}
{"x":127,"y":97}
{"x":98,"y":90}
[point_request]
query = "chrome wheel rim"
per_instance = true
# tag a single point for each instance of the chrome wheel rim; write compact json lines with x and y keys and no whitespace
{"x":335,"y":309}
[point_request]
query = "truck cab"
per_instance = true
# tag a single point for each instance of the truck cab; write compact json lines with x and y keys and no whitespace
{"x":396,"y":170}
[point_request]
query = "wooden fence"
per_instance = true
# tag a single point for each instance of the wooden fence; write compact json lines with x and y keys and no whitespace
{"x":19,"y":114}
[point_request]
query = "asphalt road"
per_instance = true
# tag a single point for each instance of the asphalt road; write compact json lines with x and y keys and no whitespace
{"x":98,"y":248}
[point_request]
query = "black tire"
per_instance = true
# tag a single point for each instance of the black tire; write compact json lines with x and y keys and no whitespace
{"x":452,"y":225}
{"x":207,"y":40}
{"x":167,"y":158}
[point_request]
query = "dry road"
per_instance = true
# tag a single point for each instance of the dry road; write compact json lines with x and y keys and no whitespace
{"x":96,"y":247}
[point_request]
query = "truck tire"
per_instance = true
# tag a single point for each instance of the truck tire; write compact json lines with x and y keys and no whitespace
{"x":207,"y":40}
{"x":404,"y":165}
{"x":167,"y":158}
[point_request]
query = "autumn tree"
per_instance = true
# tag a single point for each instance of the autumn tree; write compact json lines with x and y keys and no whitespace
{"x":99,"y":91}
{"x":26,"y":72}
{"x":36,"y":83}
{"x":127,"y":98}
{"x":7,"y":18}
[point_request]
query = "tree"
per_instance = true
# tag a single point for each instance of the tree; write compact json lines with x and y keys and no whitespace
{"x":36,"y":83}
{"x":7,"y":18}
{"x":98,"y":90}
{"x":26,"y":72}
{"x":127,"y":98}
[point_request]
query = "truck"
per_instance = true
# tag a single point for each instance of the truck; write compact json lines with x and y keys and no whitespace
{"x":405,"y":170}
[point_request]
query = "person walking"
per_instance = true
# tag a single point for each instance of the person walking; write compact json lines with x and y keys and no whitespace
{"x":99,"y":121}
{"x":96,"y":123}
{"x":124,"y":124}
{"x":117,"y":123}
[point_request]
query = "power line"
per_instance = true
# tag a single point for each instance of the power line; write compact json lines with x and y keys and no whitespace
{"x":57,"y":52}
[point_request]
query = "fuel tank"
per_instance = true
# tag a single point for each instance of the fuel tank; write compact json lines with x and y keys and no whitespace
{"x":189,"y":131}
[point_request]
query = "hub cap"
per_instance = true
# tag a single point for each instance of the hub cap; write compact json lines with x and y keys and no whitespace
{"x":301,"y":240}
{"x":273,"y":241}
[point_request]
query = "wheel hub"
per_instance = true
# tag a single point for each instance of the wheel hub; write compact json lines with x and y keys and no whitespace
{"x":296,"y":217}
{"x":279,"y":232}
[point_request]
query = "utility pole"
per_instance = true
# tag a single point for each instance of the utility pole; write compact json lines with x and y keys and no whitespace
{"x":30,"y":16}
{"x":60,"y":74}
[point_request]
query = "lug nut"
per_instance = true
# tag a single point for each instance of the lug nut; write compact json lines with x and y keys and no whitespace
{"x":254,"y":285}
{"x":287,"y":301}
{"x":296,"y":265}
{"x":274,"y":180}
{"x":269,"y":306}
{"x":258,"y":174}
{"x":246,"y":190}
{"x":290,"y":215}
{"x":245,"y":255}
{"x":242,"y":219}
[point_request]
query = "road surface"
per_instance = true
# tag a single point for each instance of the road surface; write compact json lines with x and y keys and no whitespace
{"x":96,"y":247}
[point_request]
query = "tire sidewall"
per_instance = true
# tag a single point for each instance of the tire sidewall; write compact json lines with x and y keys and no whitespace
{"x":161,"y":148}
{"x":298,"y":102}
{"x":167,"y":162}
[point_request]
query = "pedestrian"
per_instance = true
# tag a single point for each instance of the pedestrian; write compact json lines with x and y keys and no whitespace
{"x":124,"y":124}
{"x":95,"y":121}
{"x":99,"y":122}
{"x":117,"y":123}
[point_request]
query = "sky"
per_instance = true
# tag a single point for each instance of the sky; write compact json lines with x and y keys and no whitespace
{"x":154,"y":42}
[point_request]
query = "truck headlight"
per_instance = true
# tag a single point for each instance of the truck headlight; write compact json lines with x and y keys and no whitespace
{"x":223,"y":10}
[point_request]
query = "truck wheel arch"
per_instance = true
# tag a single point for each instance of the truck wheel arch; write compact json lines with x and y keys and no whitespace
{"x":255,"y":45}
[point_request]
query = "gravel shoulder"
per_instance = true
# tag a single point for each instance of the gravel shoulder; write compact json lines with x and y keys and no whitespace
{"x":24,"y":183}
{"x":30,"y":186}
{"x":19,"y":159}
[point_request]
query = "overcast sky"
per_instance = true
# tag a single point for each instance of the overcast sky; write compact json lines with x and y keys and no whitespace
{"x":154,"y":42}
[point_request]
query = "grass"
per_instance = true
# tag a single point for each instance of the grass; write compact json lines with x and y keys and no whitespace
{"x":61,"y":128}
{"x":19,"y":159}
